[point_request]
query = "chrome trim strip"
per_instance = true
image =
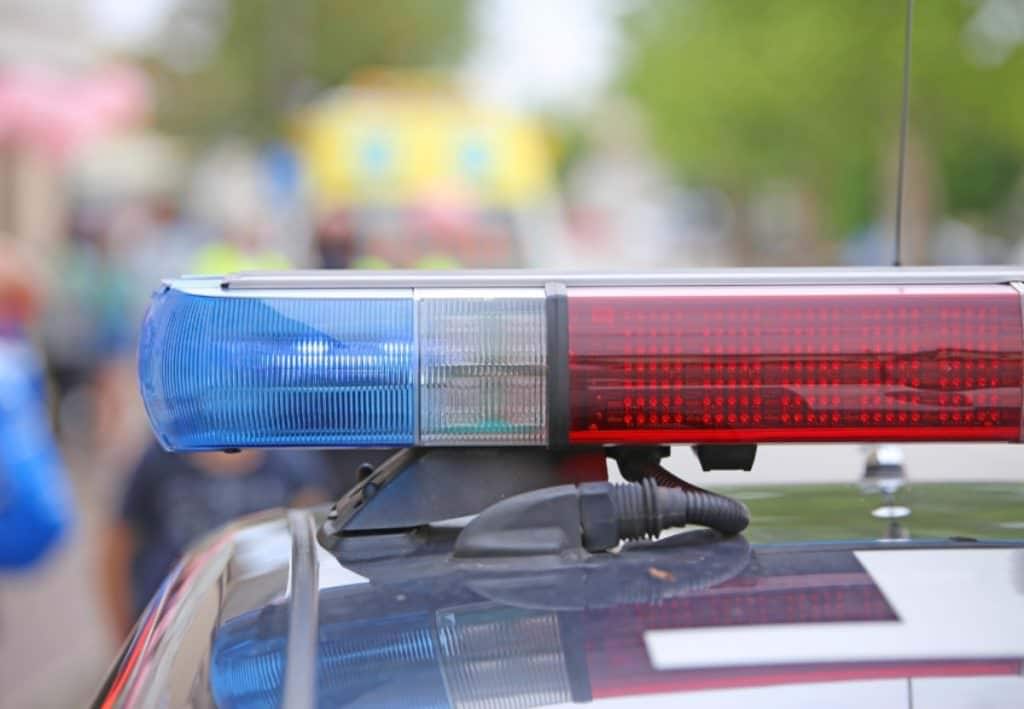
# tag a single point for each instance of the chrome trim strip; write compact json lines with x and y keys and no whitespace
{"x":303,"y":605}
{"x":330,"y":279}
{"x":214,"y":288}
{"x":523,"y":292}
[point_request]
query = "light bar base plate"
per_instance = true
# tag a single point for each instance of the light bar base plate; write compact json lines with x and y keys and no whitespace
{"x":420,"y":486}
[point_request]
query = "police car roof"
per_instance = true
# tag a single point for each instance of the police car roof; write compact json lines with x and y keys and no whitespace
{"x":264,"y":614}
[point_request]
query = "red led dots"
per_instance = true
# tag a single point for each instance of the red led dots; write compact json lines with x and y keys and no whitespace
{"x":821,"y":363}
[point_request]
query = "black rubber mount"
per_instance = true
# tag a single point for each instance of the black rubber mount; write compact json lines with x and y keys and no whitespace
{"x":593,"y":517}
{"x":729,"y":456}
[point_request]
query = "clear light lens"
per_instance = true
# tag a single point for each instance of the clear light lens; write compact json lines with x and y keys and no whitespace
{"x":225,"y":372}
{"x":483,"y":367}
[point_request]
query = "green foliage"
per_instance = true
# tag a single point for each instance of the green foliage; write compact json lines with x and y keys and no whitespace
{"x":569,"y":143}
{"x":276,"y":53}
{"x":742,"y":93}
{"x":817,"y":513}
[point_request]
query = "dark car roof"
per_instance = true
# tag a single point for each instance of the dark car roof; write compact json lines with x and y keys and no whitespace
{"x":725,"y":620}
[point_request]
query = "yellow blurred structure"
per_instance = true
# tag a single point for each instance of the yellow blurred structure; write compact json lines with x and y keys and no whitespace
{"x":389,"y":147}
{"x":403,"y":172}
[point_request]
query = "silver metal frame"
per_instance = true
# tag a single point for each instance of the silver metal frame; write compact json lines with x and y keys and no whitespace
{"x":327,"y":279}
{"x":299,"y":686}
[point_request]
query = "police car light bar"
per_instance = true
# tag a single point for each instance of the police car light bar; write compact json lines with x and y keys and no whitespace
{"x":337,"y":359}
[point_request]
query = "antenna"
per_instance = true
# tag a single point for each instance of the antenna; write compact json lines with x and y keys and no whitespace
{"x":904,"y":119}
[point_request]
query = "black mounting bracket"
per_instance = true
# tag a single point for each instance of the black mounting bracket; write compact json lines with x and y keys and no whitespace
{"x":420,"y":486}
{"x":725,"y":456}
{"x":638,"y":462}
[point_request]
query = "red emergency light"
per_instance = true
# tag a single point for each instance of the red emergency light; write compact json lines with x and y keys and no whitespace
{"x":814,"y":363}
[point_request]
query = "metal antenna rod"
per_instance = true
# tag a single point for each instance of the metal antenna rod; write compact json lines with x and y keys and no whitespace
{"x":904,"y":120}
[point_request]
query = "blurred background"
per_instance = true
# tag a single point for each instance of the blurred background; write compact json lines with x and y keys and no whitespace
{"x":142,"y":140}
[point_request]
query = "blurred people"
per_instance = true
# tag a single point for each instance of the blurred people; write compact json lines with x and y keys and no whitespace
{"x":89,"y":333}
{"x":171,"y":500}
{"x":335,"y":240}
{"x":233,"y":193}
{"x":242,"y":249}
{"x":87,"y":320}
{"x":35,"y":501}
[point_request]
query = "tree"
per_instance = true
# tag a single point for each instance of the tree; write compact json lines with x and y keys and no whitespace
{"x":273,"y":53}
{"x":741,"y":94}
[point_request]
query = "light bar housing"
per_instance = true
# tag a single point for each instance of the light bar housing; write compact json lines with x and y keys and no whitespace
{"x":341,"y":359}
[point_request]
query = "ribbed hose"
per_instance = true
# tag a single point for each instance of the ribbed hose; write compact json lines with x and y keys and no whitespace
{"x":645,"y":509}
